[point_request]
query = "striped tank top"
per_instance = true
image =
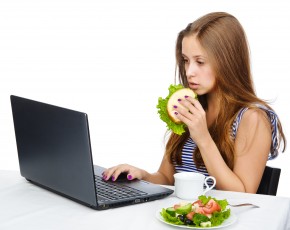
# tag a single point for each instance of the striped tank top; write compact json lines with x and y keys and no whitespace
{"x":188,"y":164}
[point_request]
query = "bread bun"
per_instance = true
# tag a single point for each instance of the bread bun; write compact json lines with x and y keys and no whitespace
{"x":173,"y":100}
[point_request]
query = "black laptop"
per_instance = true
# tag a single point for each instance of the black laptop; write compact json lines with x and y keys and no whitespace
{"x":54,"y":152}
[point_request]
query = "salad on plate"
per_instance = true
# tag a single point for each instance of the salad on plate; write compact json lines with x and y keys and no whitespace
{"x":205,"y":212}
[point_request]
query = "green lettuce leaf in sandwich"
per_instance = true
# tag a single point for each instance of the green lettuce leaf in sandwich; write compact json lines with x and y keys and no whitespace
{"x":166,"y":107}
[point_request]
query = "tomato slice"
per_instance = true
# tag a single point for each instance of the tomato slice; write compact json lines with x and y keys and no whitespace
{"x":211,"y":206}
{"x":200,"y":210}
{"x":200,"y":204}
{"x":190,"y":215}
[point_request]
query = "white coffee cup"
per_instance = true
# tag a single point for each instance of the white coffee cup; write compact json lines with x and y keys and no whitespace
{"x":189,"y":185}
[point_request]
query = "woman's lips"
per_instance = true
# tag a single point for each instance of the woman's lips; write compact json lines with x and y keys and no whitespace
{"x":193,"y":85}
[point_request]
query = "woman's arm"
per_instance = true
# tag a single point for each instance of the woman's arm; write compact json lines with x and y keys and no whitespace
{"x":253,"y":143}
{"x":164,"y":175}
{"x":252,"y":146}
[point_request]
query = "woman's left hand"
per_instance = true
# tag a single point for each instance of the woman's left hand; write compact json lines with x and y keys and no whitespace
{"x":193,"y":115}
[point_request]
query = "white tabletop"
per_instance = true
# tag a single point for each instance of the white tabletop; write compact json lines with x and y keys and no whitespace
{"x":26,"y":206}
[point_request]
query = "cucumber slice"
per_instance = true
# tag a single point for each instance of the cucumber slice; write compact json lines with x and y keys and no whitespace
{"x":185,"y":209}
{"x":171,"y":211}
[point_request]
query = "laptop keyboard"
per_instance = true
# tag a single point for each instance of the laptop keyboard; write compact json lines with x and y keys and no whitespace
{"x":113,"y":191}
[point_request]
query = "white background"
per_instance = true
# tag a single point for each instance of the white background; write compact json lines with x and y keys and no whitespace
{"x":112,"y":59}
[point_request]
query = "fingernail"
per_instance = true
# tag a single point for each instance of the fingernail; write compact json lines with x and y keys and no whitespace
{"x":175,"y":113}
{"x":179,"y":99}
{"x":186,"y":96}
{"x":113,"y":178}
{"x":104,"y":177}
{"x":129,"y":177}
{"x":175,"y":106}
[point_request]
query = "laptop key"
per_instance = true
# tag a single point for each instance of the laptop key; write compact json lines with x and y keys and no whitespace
{"x":115,"y":191}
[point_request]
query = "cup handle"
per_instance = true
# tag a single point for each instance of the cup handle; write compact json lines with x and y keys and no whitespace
{"x":206,"y":184}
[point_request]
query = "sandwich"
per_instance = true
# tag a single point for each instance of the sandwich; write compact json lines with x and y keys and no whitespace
{"x":166,"y":108}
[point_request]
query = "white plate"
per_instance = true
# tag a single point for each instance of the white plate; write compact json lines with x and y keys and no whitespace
{"x":232,"y":219}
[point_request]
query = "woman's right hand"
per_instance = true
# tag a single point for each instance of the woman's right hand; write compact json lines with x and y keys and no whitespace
{"x":132,"y":172}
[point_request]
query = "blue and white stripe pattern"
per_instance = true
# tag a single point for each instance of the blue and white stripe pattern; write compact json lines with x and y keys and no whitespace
{"x":188,"y":164}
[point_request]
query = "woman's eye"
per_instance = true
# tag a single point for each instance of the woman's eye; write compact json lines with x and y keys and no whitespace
{"x":200,"y":62}
{"x":185,"y":60}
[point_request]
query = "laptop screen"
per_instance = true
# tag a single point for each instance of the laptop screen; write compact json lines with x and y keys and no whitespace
{"x":54,"y":148}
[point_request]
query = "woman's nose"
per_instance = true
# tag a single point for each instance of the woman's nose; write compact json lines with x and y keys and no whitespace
{"x":191,"y":70}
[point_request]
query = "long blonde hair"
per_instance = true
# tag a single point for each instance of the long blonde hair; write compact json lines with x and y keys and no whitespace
{"x":224,"y":40}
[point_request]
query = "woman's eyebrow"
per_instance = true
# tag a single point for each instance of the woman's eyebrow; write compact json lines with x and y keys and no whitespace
{"x":195,"y":56}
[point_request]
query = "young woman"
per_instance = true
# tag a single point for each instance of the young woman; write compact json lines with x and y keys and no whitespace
{"x":231,"y":133}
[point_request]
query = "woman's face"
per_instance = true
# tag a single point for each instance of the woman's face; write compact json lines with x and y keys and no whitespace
{"x":199,"y":73}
